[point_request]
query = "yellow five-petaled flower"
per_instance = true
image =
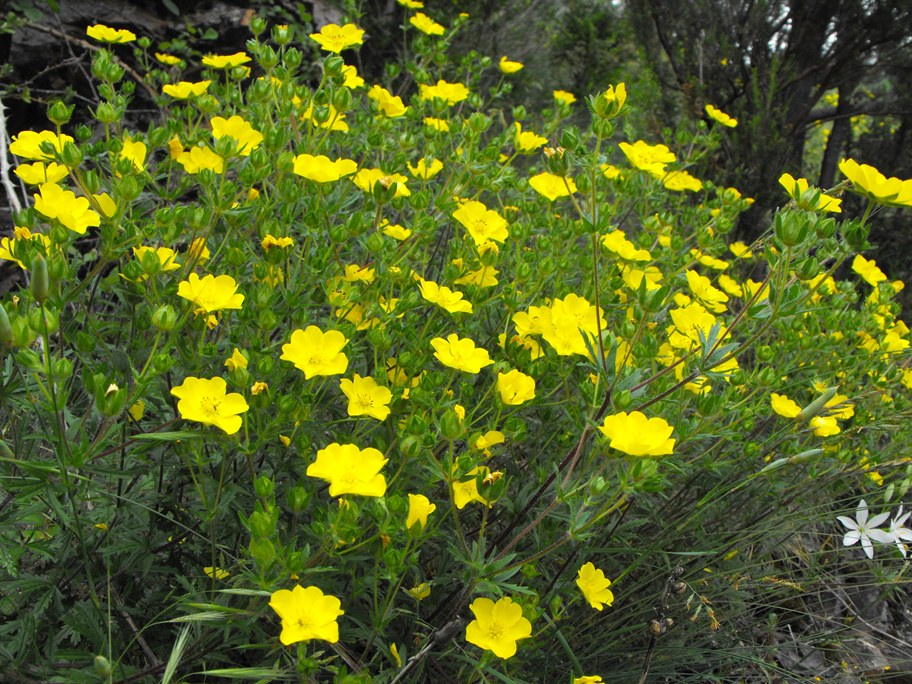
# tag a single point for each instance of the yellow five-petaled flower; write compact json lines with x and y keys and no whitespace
{"x":497,"y":626}
{"x":307,"y":613}
{"x":205,"y":401}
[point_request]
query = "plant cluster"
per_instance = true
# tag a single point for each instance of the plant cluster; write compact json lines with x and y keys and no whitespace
{"x":322,"y":380}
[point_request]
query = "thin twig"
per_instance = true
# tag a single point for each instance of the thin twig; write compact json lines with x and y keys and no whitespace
{"x":4,"y":164}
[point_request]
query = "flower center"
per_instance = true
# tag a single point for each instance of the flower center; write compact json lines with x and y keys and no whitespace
{"x":210,"y":405}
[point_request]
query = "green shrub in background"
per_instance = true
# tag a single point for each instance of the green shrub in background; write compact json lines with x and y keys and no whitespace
{"x":353,"y":382}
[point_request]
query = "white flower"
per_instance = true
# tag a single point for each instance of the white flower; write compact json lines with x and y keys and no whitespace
{"x":899,"y":532}
{"x":863,"y":529}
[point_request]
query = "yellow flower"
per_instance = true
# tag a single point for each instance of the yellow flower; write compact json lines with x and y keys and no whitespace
{"x":784,"y":406}
{"x":439,"y":125}
{"x":447,"y":299}
{"x":28,"y":144}
{"x":563,"y":96}
{"x":465,"y":491}
{"x":226,"y":61}
{"x":160,"y":259}
{"x":137,"y":410}
{"x":702,"y":289}
{"x":594,"y":585}
{"x":720,"y":117}
{"x":197,"y":250}
{"x":350,"y":470}
{"x":315,"y":352}
{"x":731,"y":286}
{"x":551,"y":186}
{"x":649,"y":158}
{"x":307,"y":613}
{"x":239,"y":130}
{"x":420,"y":508}
{"x":425,"y":24}
{"x":198,"y":159}
{"x":391,"y":105}
{"x":166,"y":59}
{"x":569,"y":320}
{"x":271,"y":242}
{"x":211,"y":293}
{"x":824,"y":426}
{"x":420,"y":591}
{"x":617,"y":242}
{"x":73,"y":212}
{"x":40,"y":173}
{"x":366,"y":397}
{"x":636,"y":435}
{"x":258,"y":388}
{"x":204,"y":400}
{"x":740,"y":250}
{"x":367,"y":178}
{"x":588,"y":679}
{"x":508,"y":67}
{"x":185,"y":89}
{"x":215,"y":572}
{"x":487,"y":440}
{"x":486,"y":276}
{"x":236,"y":360}
{"x":321,"y":170}
{"x":394,"y":651}
{"x":358,"y":274}
{"x":679,"y":181}
{"x":451,"y":93}
{"x":868,"y":270}
{"x":609,"y":103}
{"x":871,"y":183}
{"x":106,"y":34}
{"x":497,"y":626}
{"x":527,"y":142}
{"x":798,"y":190}
{"x":335,"y":122}
{"x":460,"y":353}
{"x":350,"y":74}
{"x":426,"y":171}
{"x":335,"y":38}
{"x":135,"y":152}
{"x":482,"y":223}
{"x":395,"y":231}
{"x":515,"y":388}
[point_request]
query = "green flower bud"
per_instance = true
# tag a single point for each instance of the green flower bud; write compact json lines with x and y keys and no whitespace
{"x":817,"y":405}
{"x":622,"y":400}
{"x":268,"y":58}
{"x":30,"y":360}
{"x":102,"y":666}
{"x":261,"y":525}
{"x":105,"y":113}
{"x":62,"y":368}
{"x":293,"y":58}
{"x":59,"y":112}
{"x":287,"y":403}
{"x":6,"y":330}
{"x":411,"y":446}
{"x":265,"y":365}
{"x":264,"y":487}
{"x":164,"y":318}
{"x":333,"y":65}
{"x":297,"y":499}
{"x":41,"y":281}
{"x":84,"y":342}
{"x":71,"y":155}
{"x":791,"y":228}
{"x":257,"y":25}
{"x":23,"y":334}
{"x":342,"y":100}
{"x":162,"y":363}
{"x":450,"y":426}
